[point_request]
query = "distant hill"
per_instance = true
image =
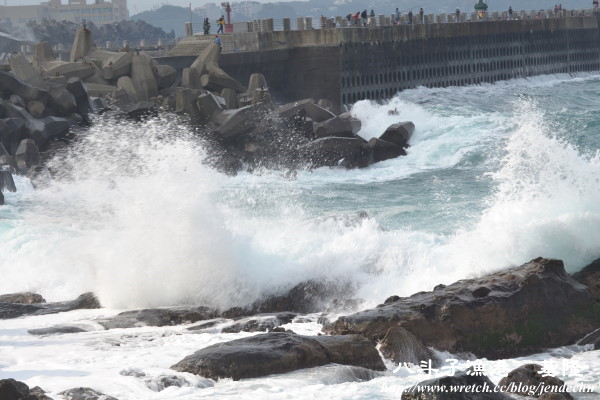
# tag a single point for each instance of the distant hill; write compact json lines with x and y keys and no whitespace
{"x":169,"y":18}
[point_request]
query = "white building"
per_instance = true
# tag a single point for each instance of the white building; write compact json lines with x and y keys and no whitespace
{"x":99,"y":12}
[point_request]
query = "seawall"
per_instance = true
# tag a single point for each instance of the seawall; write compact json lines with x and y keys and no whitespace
{"x":346,"y":65}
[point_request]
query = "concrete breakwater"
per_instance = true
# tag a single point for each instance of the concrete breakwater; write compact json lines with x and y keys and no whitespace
{"x":351,"y":64}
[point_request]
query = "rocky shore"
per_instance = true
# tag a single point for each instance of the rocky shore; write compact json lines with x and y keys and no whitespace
{"x":511,"y":313}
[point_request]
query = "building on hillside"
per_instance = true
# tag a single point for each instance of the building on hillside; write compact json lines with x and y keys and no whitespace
{"x":245,"y":10}
{"x":98,"y":11}
{"x":210,"y":10}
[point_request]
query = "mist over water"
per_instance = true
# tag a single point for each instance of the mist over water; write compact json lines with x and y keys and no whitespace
{"x":496,"y":175}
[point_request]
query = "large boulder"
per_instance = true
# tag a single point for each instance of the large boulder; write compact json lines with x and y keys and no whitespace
{"x":11,"y":389}
{"x":259,"y":323}
{"x":399,"y":133}
{"x":230,"y":97}
{"x":590,"y":276}
{"x":277,"y":353}
{"x":6,"y":183}
{"x":208,"y":105}
{"x":401,"y":346}
{"x":11,"y":132}
{"x":470,"y":385}
{"x":27,"y":155}
{"x":84,"y":393}
{"x":22,"y":298}
{"x":332,"y":151}
{"x":16,"y":86}
{"x":15,"y":310}
{"x":79,"y":91}
{"x":234,"y":123}
{"x":115,"y":65}
{"x":62,"y":100}
{"x":125,"y":83}
{"x":511,"y":313}
{"x":341,"y":126}
{"x":521,"y":380}
{"x":380,"y":150}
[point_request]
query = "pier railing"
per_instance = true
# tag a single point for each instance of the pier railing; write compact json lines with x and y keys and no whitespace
{"x":381,"y":20}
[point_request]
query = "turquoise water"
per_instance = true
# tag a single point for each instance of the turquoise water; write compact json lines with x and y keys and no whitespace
{"x":496,"y":175}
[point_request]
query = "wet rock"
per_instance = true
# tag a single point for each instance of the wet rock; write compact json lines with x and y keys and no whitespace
{"x":143,"y":78}
{"x":207,"y":325}
{"x":11,"y":132}
{"x":1,"y":199}
{"x":234,"y":123}
{"x":140,"y":109}
{"x":15,"y":310}
{"x":529,"y":308}
{"x":84,"y":394}
{"x":17,"y":100}
{"x":14,"y":85}
{"x":230,"y":97}
{"x":98,"y":105}
{"x":399,"y":133}
{"x":590,"y":276}
{"x":304,"y":298}
{"x":259,"y":323}
{"x":401,"y":346}
{"x":157,"y":317}
{"x":77,"y":88}
{"x":208,"y":105}
{"x":60,"y":329}
{"x":338,"y":127}
{"x":332,"y":151}
{"x":11,"y":389}
{"x":62,"y":100}
{"x":27,"y":155}
{"x":445,"y":388}
{"x":380,"y":150}
{"x":531,"y":375}
{"x":22,"y":298}
{"x":161,"y":382}
{"x":6,"y":183}
{"x":276,"y":353}
{"x":591,"y":339}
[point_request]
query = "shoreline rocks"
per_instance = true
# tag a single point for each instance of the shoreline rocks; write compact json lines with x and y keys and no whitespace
{"x":276,"y":353}
{"x":14,"y":310}
{"x":507,"y":314}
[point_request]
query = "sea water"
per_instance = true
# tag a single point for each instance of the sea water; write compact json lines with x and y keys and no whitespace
{"x":496,"y":175}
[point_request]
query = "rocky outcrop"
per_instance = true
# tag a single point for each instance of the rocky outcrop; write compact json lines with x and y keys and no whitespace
{"x":521,"y":381}
{"x":276,"y":353}
{"x":14,"y":310}
{"x":11,"y":389}
{"x":84,"y":393}
{"x":22,"y":298}
{"x":474,"y":387}
{"x":259,"y":323}
{"x":401,"y":346}
{"x":590,"y":276}
{"x":399,"y":134}
{"x":506,"y":314}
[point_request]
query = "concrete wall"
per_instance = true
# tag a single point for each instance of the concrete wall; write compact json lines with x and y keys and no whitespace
{"x":351,"y":64}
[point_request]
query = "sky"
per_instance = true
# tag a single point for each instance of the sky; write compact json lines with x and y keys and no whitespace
{"x":137,"y":6}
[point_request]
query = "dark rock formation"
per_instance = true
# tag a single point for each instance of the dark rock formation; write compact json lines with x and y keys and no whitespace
{"x":22,"y":298}
{"x":11,"y":389}
{"x":14,"y":310}
{"x":531,"y":376}
{"x":590,"y":276}
{"x":401,"y":346}
{"x":27,"y":155}
{"x":84,"y":394}
{"x":381,"y":150}
{"x":259,"y":323}
{"x":333,"y":151}
{"x":591,"y":339}
{"x":528,"y":308}
{"x":399,"y":133}
{"x":276,"y":353}
{"x":157,"y":317}
{"x":478,"y":387}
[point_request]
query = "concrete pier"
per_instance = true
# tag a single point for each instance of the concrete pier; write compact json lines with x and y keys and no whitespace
{"x":345,"y":65}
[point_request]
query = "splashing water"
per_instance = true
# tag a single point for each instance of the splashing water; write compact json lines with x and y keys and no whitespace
{"x":136,"y":216}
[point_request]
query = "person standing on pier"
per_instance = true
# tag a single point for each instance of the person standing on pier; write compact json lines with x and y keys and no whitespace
{"x":397,"y":19}
{"x":206,"y":26}
{"x":510,"y":12}
{"x":421,"y":15}
{"x":457,"y":15}
{"x":363,"y":16}
{"x":221,"y":23}
{"x":357,"y":18}
{"x":595,"y":4}
{"x":410,"y":14}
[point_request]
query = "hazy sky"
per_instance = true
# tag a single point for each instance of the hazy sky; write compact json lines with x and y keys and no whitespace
{"x":137,"y":6}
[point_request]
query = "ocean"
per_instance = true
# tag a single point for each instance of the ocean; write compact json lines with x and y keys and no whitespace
{"x":496,"y":175}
